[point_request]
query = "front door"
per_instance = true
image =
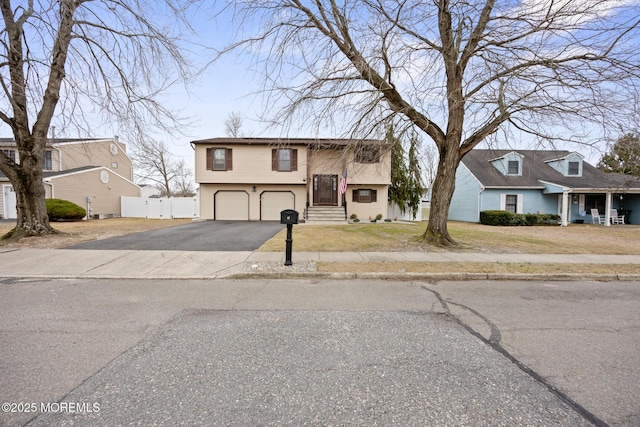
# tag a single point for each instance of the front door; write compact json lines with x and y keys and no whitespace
{"x":325,"y":190}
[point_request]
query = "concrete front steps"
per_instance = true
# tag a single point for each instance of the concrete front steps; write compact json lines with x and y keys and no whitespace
{"x":325,"y":214}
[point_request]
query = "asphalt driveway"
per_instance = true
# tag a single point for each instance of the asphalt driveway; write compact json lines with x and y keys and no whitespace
{"x":197,"y":236}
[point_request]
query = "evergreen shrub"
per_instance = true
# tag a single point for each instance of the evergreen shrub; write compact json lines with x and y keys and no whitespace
{"x":495,"y":217}
{"x":64,"y":210}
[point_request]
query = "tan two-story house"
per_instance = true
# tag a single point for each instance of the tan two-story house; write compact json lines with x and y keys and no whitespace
{"x":256,"y":178}
{"x":92,"y":173}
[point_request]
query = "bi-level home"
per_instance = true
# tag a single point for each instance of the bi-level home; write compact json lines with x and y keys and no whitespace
{"x":541,"y":181}
{"x":257,"y":178}
{"x":92,"y":173}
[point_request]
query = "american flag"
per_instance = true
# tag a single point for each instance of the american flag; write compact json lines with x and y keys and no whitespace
{"x":343,"y":183}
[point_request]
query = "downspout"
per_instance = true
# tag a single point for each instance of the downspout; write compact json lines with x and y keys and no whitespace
{"x":480,"y":201}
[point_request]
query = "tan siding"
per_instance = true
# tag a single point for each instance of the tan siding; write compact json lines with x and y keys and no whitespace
{"x":332,"y":162}
{"x":366,"y":211}
{"x":96,"y":153}
{"x":251,"y":165}
{"x":105,"y":196}
{"x":207,"y":192}
{"x":55,"y":159}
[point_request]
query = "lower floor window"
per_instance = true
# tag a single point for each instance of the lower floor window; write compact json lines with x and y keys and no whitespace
{"x":511,"y":203}
{"x":364,"y":195}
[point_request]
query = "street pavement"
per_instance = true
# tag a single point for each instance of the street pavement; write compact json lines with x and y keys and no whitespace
{"x":148,"y":338}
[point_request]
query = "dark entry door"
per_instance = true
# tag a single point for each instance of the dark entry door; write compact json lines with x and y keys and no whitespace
{"x":325,"y":190}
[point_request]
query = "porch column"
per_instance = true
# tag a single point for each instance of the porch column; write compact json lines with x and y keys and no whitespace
{"x":607,"y":209}
{"x":565,"y":209}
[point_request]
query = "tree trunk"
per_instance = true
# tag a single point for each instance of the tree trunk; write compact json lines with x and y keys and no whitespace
{"x":30,"y":200}
{"x":441,"y":194}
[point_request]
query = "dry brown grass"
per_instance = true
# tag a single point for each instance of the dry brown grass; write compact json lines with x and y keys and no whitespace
{"x":402,"y":237}
{"x":82,"y":231}
{"x":476,"y":267}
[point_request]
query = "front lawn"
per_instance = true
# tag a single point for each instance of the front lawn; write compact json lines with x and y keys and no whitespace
{"x":404,"y":237}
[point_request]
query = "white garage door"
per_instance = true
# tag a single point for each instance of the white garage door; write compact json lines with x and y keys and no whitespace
{"x":273,"y":202}
{"x":231,"y":205}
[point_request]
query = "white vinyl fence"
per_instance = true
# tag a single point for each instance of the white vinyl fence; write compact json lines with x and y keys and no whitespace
{"x":159,"y":208}
{"x":393,"y":212}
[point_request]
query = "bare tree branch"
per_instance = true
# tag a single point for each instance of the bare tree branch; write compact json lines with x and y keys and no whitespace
{"x":65,"y":61}
{"x":458,"y":70}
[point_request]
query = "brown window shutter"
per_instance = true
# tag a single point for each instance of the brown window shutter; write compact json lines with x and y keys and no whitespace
{"x":274,"y":159}
{"x":294,"y":159}
{"x":374,"y":196}
{"x":229,"y":159}
{"x":355,"y":196}
{"x":209,"y":159}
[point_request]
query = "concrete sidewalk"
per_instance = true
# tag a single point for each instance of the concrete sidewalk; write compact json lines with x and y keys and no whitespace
{"x":135,"y":264}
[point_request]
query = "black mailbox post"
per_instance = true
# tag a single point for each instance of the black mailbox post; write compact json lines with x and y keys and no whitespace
{"x":288,"y":217}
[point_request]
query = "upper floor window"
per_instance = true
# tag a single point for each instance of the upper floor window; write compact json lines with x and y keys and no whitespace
{"x":367,"y":154}
{"x":47,"y":163}
{"x":574,"y":168}
{"x":10,"y":154}
{"x":284,"y":159}
{"x":513,"y":167}
{"x":219,"y":159}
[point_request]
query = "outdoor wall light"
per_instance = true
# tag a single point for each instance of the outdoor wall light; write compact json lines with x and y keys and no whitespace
{"x":254,"y":189}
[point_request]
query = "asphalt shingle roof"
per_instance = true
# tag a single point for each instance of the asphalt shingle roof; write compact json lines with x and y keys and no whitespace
{"x":534,"y":170}
{"x":314,"y":142}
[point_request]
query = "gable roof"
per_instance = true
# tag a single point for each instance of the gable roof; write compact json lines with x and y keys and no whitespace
{"x":536,"y":171}
{"x":51,"y":174}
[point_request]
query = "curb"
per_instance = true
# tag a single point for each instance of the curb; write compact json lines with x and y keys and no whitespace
{"x":556,"y":277}
{"x":427,"y":277}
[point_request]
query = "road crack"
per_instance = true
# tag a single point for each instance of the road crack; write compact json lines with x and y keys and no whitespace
{"x":494,"y":342}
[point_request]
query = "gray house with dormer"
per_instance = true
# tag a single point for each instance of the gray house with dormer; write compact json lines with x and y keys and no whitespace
{"x":541,"y":181}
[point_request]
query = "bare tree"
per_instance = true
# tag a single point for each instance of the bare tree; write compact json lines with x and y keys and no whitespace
{"x":155,"y":163}
{"x":184,"y":184}
{"x":457,"y":70}
{"x":65,"y":59}
{"x":233,"y":125}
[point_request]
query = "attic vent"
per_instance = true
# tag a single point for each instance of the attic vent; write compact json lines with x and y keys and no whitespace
{"x":104,"y":177}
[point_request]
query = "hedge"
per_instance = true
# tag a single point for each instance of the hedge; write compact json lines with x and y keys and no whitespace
{"x":64,"y":210}
{"x":509,"y":218}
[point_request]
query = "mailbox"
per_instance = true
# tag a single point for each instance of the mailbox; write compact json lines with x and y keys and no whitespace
{"x":289,"y":216}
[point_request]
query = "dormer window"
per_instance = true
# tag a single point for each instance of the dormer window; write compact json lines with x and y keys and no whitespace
{"x":509,"y":164}
{"x":574,"y":169}
{"x":568,"y":165}
{"x":513,"y":167}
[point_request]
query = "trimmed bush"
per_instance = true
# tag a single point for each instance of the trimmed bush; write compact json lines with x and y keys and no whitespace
{"x":496,"y":217}
{"x":508,"y":218}
{"x":64,"y":210}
